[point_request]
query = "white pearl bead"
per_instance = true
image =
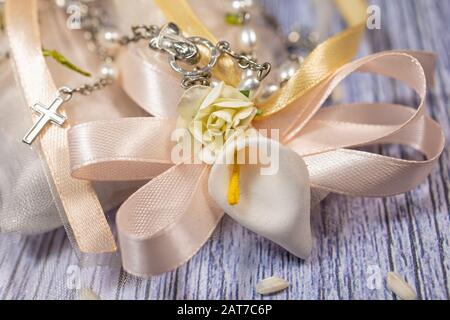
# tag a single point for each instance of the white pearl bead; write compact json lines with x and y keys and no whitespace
{"x":109,"y":70}
{"x":241,"y":4}
{"x":247,"y":39}
{"x":109,"y":38}
{"x":268,"y":90}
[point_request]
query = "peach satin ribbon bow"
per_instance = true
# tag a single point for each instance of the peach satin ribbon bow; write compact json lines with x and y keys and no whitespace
{"x":165,"y":223}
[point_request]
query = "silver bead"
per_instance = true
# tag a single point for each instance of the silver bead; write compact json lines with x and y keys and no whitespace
{"x":247,"y":39}
{"x":109,"y":38}
{"x":250,"y":83}
{"x":287,"y":70}
{"x":247,"y":73}
{"x":109,"y":70}
{"x":267,"y":91}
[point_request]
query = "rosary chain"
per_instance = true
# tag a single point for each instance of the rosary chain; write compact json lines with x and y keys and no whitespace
{"x":203,"y":80}
{"x":151,"y":32}
{"x":140,"y":32}
{"x":89,"y":88}
{"x":244,"y":61}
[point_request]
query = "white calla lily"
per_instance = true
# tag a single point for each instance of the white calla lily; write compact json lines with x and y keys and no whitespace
{"x":275,"y":205}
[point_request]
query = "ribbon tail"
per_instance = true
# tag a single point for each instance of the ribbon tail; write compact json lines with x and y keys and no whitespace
{"x":80,"y":205}
{"x":167,"y":221}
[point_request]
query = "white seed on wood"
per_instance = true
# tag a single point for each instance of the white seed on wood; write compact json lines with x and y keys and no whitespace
{"x":271,"y":285}
{"x":400,"y":287}
{"x":88,"y":294}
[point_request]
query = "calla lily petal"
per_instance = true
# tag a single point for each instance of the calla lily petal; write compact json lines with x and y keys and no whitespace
{"x":233,"y":104}
{"x":275,"y":206}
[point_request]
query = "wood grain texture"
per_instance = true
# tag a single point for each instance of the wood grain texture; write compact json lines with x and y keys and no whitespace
{"x":409,"y":233}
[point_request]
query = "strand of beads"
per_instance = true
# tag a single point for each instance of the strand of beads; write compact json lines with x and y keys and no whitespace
{"x":93,"y":19}
{"x":297,"y":44}
{"x":239,"y":15}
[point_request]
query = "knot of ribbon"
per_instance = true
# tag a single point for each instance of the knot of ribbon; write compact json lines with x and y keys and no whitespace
{"x":167,"y":220}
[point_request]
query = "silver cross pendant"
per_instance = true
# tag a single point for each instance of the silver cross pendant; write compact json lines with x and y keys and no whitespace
{"x":48,"y":114}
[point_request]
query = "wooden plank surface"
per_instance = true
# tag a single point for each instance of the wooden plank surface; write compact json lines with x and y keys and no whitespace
{"x":409,"y":233}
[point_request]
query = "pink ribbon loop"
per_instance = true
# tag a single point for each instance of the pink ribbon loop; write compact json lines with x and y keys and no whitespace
{"x":147,"y":81}
{"x":121,"y":150}
{"x":164,"y":223}
{"x":168,"y":220}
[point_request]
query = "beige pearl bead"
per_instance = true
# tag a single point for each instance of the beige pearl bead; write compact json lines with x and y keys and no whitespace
{"x":247,"y":39}
{"x":109,"y":70}
{"x":267,"y":91}
{"x":108,"y":38}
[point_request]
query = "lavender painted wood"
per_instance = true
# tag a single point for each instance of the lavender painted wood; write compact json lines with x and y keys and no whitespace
{"x":409,"y":233}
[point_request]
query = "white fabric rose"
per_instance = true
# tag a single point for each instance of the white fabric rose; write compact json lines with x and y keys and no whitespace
{"x":213,"y":116}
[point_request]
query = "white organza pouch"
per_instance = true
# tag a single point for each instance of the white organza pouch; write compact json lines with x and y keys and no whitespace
{"x":29,"y":203}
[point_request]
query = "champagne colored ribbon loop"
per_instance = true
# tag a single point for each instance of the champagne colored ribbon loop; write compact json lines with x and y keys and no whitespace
{"x":121,"y":150}
{"x":148,"y":81}
{"x":164,"y":223}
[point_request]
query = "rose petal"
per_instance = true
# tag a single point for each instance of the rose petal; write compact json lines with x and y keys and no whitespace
{"x":190,"y":102}
{"x":213,"y":95}
{"x":244,"y":117}
{"x":232,"y":93}
{"x":198,"y":130}
{"x":233,"y":104}
{"x":225,"y":114}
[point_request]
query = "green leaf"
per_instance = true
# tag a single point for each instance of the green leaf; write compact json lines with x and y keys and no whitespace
{"x":2,"y":23}
{"x":259,"y":112}
{"x":246,"y":93}
{"x":234,"y":19}
{"x":63,"y":60}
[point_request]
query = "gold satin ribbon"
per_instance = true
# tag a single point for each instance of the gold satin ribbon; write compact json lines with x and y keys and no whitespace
{"x":320,"y":64}
{"x":353,"y":11}
{"x":325,"y":59}
{"x":78,"y":199}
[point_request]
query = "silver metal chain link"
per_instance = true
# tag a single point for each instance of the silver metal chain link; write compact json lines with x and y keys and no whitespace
{"x":88,"y":88}
{"x":174,"y":40}
{"x":140,"y":32}
{"x":244,"y":61}
{"x":179,"y":48}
